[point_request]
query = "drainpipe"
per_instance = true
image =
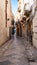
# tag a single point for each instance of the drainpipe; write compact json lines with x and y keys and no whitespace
{"x":6,"y":11}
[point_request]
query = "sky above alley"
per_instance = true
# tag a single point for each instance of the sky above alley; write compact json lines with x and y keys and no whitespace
{"x":14,"y":5}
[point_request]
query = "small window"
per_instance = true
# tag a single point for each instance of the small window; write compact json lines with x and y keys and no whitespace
{"x":18,"y":0}
{"x":7,"y":2}
{"x":19,"y":10}
{"x":8,"y":19}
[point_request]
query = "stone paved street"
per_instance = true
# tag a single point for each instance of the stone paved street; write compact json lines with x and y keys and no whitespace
{"x":18,"y":51}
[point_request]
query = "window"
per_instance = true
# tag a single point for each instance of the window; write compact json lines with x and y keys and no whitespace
{"x":18,"y":0}
{"x":8,"y":19}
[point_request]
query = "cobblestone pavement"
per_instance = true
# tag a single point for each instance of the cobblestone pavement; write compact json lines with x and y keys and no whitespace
{"x":18,"y":51}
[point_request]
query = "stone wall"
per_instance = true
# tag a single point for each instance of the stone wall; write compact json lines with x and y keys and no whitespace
{"x":3,"y":29}
{"x":35,"y":29}
{"x":8,"y":14}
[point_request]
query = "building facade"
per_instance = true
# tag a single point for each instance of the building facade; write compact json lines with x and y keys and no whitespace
{"x":5,"y":20}
{"x":35,"y":29}
{"x":24,"y":6}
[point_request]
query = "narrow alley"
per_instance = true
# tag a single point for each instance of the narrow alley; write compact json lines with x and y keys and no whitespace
{"x":18,"y":51}
{"x":18,"y":32}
